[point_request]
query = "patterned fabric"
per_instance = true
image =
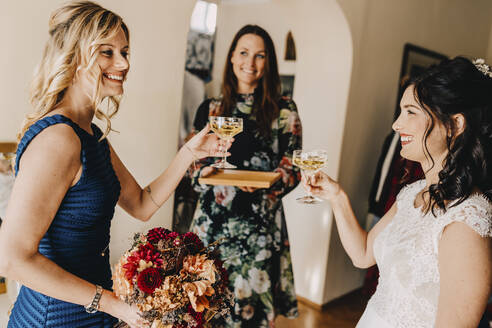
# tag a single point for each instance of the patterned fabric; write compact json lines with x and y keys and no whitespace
{"x":256,"y":248}
{"x":77,"y":236}
{"x":406,"y":252}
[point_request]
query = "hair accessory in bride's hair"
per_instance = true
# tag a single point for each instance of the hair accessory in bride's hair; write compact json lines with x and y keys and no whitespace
{"x":482,"y":67}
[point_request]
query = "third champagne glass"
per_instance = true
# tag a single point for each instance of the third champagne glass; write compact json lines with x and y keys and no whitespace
{"x":309,"y":162}
{"x":225,"y":128}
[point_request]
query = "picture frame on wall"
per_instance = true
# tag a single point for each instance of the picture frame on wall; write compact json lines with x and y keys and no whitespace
{"x":415,"y":60}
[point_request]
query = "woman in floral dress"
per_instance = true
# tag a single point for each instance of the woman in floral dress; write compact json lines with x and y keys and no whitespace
{"x":255,"y":247}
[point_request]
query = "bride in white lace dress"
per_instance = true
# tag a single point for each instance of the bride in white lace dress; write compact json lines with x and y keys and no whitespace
{"x":434,"y":246}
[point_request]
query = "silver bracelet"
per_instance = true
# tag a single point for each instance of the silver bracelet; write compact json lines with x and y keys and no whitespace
{"x":93,"y":306}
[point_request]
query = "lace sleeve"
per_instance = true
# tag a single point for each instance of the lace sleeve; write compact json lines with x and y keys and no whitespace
{"x":476,"y":212}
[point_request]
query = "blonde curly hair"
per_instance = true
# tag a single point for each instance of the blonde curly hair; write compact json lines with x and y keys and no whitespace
{"x":76,"y":31}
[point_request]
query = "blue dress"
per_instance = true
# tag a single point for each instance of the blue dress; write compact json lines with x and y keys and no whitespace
{"x":78,"y":237}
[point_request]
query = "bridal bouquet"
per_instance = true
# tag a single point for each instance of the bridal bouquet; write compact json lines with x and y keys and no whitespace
{"x":173,"y":279}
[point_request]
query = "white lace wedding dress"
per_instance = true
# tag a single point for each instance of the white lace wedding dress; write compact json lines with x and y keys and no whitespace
{"x":406,"y":253}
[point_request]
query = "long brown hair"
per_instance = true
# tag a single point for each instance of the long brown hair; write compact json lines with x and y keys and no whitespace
{"x":267,"y":94}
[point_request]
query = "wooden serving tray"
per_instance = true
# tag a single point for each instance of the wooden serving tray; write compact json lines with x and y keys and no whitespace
{"x":241,"y":178}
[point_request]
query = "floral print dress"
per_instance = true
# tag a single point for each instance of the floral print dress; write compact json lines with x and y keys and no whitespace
{"x":256,"y":246}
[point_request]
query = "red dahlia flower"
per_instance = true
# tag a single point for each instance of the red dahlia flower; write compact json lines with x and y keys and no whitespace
{"x":149,"y":279}
{"x":156,"y":234}
{"x":191,"y":238}
{"x":148,"y":253}
{"x":173,"y":235}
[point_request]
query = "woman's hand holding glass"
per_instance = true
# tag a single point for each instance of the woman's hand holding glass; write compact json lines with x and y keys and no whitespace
{"x":225,"y":128}
{"x":205,"y":144}
{"x":321,"y":185}
{"x":310,"y":162}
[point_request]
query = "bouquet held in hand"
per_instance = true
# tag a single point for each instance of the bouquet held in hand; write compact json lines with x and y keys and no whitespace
{"x":173,"y":279}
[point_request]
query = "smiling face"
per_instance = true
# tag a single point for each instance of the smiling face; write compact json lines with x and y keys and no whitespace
{"x":114,"y":65}
{"x":412,"y":125}
{"x":112,"y":60}
{"x":248,"y":62}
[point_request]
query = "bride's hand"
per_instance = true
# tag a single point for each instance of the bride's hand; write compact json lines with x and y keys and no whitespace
{"x":321,"y":185}
{"x":205,"y":144}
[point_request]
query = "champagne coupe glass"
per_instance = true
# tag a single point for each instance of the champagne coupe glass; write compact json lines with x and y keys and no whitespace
{"x":225,"y":128}
{"x":309,"y":162}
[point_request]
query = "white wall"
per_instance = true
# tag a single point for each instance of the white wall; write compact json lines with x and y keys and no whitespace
{"x":149,"y":112}
{"x":322,"y":72}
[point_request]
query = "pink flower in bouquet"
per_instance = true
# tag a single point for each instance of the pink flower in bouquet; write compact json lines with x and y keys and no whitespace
{"x":149,"y":279}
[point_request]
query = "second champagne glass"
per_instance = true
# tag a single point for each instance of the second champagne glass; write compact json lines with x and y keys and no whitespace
{"x":309,"y":162}
{"x":225,"y":128}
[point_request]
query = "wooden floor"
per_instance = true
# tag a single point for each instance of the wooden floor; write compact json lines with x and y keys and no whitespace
{"x":341,"y":313}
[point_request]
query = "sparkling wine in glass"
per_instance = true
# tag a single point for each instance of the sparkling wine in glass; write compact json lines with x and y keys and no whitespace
{"x":225,"y":128}
{"x":309,"y":162}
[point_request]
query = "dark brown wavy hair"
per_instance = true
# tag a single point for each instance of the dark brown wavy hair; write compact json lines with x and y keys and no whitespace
{"x":456,"y":86}
{"x":266,"y":95}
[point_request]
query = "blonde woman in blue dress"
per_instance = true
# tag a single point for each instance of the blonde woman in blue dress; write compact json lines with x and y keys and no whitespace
{"x":434,"y":246}
{"x":55,"y":236}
